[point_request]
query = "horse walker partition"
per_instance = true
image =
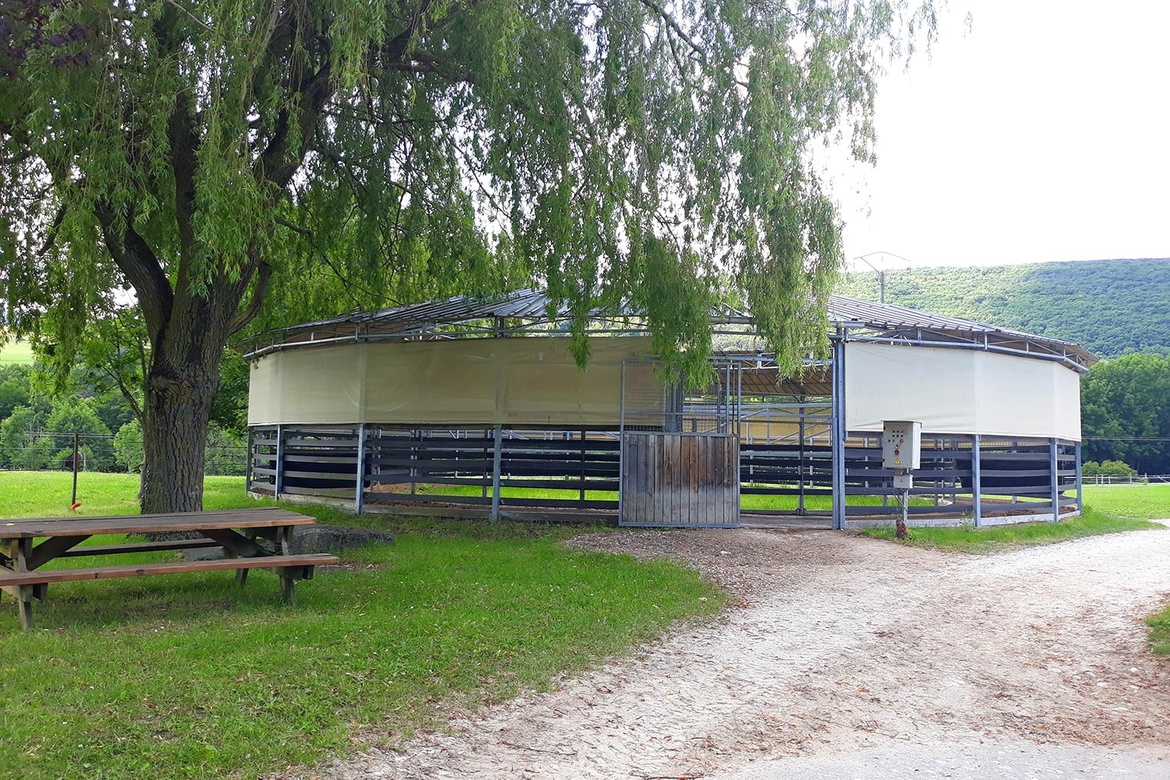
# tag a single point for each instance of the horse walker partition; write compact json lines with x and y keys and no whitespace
{"x":477,"y":408}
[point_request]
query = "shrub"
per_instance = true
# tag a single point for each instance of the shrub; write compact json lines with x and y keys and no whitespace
{"x":129,"y":452}
{"x":1108,"y":468}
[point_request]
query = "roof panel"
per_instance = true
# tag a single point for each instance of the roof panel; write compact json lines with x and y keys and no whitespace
{"x":533,"y":305}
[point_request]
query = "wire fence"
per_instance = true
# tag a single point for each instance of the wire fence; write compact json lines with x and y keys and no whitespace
{"x":224,"y":455}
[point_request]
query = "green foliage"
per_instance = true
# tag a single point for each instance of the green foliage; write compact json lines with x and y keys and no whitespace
{"x":1159,"y":624}
{"x":1125,"y":411}
{"x":230,"y":410}
{"x":225,"y":452}
{"x":73,"y":416}
{"x":128,"y":450}
{"x":325,"y":155}
{"x":17,"y":438}
{"x":1111,"y":307}
{"x":1109,"y":468}
{"x":14,"y":388}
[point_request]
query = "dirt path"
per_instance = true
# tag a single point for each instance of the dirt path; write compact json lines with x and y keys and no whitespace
{"x":851,"y":650}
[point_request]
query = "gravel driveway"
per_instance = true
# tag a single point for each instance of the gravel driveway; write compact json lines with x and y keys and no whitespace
{"x":853,"y":658}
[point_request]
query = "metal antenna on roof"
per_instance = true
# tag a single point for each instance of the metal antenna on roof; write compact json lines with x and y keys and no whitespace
{"x":880,"y":267}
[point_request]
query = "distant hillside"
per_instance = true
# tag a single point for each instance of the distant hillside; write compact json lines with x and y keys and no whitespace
{"x":1109,"y":306}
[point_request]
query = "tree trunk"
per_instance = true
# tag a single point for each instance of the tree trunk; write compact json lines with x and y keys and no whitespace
{"x":178,"y":407}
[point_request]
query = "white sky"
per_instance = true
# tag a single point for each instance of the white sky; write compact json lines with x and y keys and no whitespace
{"x":1041,"y":133}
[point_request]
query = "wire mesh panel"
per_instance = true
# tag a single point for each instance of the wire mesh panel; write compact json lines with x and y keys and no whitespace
{"x":679,"y":450}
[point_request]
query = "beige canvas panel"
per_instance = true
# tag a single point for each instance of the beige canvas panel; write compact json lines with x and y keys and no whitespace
{"x":960,"y":391}
{"x":320,"y":385}
{"x":934,"y":386}
{"x":520,"y":381}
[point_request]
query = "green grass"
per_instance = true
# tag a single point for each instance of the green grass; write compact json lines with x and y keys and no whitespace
{"x":992,"y":539}
{"x":186,"y":676}
{"x":48,"y":493}
{"x":1159,"y":624}
{"x":749,"y":502}
{"x":16,"y":352}
{"x":1147,"y":502}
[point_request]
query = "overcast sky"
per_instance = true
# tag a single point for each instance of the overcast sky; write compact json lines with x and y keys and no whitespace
{"x":1040,"y":133}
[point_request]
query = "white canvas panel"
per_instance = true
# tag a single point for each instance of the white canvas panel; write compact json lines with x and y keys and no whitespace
{"x":933,"y":386}
{"x":532,"y":381}
{"x":960,"y":391}
{"x":1068,"y":403}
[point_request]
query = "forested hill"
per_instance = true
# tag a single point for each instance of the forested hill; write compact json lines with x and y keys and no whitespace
{"x":1109,"y":306}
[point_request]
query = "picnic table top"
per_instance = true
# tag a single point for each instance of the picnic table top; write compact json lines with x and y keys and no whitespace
{"x":260,"y":517}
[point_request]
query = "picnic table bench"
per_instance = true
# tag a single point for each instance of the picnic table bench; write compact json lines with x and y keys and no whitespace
{"x":251,"y":539}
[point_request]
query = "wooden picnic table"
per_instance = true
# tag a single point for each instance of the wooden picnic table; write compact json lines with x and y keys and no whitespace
{"x":251,"y":539}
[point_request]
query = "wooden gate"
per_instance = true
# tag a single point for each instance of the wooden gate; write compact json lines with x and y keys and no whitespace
{"x":679,"y":479}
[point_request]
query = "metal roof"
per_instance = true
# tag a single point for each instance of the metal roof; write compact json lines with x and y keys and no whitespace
{"x":533,"y":311}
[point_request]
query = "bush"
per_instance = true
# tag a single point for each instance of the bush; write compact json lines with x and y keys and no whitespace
{"x":129,"y":452}
{"x":225,"y":453}
{"x":1108,"y":468}
{"x":17,"y":434}
{"x":72,"y":416}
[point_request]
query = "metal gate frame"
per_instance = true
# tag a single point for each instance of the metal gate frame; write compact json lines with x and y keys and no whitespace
{"x":669,"y":416}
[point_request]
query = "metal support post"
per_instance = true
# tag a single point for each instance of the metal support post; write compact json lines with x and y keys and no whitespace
{"x":976,"y":481}
{"x":1080,"y":482}
{"x":838,"y":435}
{"x":497,"y":459}
{"x":360,"y":471}
{"x":278,"y":482}
{"x":901,"y":531}
{"x":1053,"y":464}
{"x":581,"y":498}
{"x":801,"y":411}
{"x":76,"y":457}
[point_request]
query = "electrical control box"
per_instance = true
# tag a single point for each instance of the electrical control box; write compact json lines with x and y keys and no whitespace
{"x":901,"y":444}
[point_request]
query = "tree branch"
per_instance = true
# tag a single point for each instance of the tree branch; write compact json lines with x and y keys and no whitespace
{"x":672,"y":24}
{"x":141,"y":267}
{"x":241,"y":320}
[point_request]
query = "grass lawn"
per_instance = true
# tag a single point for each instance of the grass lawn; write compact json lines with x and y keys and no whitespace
{"x":753,"y":501}
{"x":1108,"y":509}
{"x":16,"y":352}
{"x":47,"y":493}
{"x":1146,"y":502}
{"x":990,"y":539}
{"x":186,"y":676}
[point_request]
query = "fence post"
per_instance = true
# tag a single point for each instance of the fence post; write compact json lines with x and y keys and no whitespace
{"x":976,"y":481}
{"x":360,"y":491}
{"x":278,"y":484}
{"x":1080,"y":482}
{"x":1054,"y":465}
{"x":73,"y":502}
{"x":497,"y":457}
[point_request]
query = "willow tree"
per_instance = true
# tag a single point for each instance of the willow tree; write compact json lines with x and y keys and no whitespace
{"x":195,"y":157}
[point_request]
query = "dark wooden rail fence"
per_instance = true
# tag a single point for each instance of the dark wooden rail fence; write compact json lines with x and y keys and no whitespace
{"x":581,"y":468}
